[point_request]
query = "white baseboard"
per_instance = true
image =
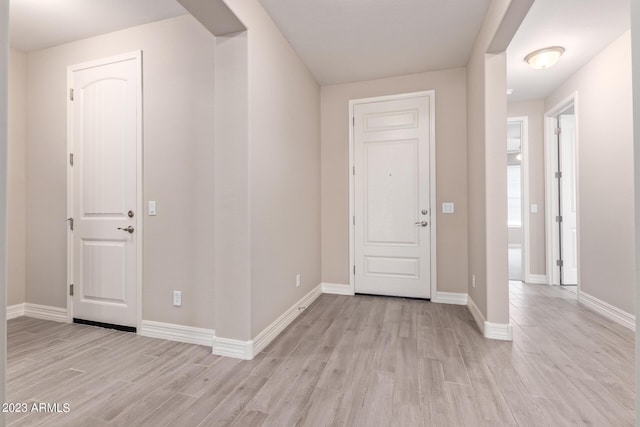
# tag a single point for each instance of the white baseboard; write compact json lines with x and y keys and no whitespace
{"x":537,"y":279}
{"x":336,"y":289}
{"x":247,"y":350}
{"x":498,"y":331}
{"x":450,"y":298}
{"x":180,"y":333}
{"x":237,"y":349}
{"x":45,"y":312}
{"x":494,"y":331}
{"x":14,"y":311}
{"x":273,"y":330}
{"x":476,"y":313}
{"x":607,"y":310}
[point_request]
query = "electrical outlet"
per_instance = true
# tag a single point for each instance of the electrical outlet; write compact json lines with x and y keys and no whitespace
{"x":298,"y":280}
{"x":177,"y":298}
{"x":473,"y":280}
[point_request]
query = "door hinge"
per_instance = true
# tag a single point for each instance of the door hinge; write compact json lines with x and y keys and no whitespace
{"x":354,"y":270}
{"x":71,"y":94}
{"x":354,"y":220}
{"x":353,"y":121}
{"x":354,"y":170}
{"x":70,"y":221}
{"x":559,"y":218}
{"x":71,"y":159}
{"x":560,"y":263}
{"x":557,"y":131}
{"x":558,"y":175}
{"x":71,"y":289}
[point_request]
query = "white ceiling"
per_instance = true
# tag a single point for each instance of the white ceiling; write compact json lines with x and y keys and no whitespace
{"x":582,"y":27}
{"x":38,"y":24}
{"x":351,"y":40}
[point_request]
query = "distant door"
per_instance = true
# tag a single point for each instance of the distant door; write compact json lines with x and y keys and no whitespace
{"x":392,"y":197}
{"x":105,"y":139}
{"x":568,"y":208}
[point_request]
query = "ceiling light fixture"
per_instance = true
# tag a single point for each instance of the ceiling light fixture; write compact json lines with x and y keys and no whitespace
{"x":544,"y":58}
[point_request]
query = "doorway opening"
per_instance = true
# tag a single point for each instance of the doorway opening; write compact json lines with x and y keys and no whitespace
{"x":517,"y":130}
{"x":561,"y":148}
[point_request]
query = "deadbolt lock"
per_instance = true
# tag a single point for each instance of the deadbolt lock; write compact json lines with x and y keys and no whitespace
{"x":130,"y":214}
{"x":424,"y":211}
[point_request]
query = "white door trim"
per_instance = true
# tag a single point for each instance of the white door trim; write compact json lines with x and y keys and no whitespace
{"x":551,"y":188}
{"x":526,"y":206}
{"x":432,"y":179}
{"x":137,"y":56}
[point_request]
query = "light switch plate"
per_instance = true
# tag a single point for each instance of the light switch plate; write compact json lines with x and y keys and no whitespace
{"x":534,"y":208}
{"x":152,"y":208}
{"x":448,"y":208}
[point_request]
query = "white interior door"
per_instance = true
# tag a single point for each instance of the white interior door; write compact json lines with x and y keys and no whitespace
{"x":105,"y":141}
{"x":392,"y":197}
{"x":568,"y":208}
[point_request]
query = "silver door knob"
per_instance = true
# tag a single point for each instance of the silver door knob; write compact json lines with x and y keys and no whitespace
{"x":421,"y":223}
{"x":130,"y":229}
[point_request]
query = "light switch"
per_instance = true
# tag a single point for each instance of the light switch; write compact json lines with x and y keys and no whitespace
{"x":448,"y":208}
{"x":534,"y":208}
{"x":152,"y":208}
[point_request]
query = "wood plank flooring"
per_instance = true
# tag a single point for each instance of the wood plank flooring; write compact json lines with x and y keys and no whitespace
{"x":346,"y":361}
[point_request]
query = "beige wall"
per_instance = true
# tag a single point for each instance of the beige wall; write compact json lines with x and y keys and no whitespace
{"x":271,"y":193}
{"x":605,"y":173}
{"x":451,"y":182}
{"x":534,"y":111}
{"x":487,"y":180}
{"x":255,"y":282}
{"x":635,"y":52}
{"x":476,"y":181}
{"x":17,"y":177}
{"x":284,"y":129}
{"x":496,"y":188}
{"x":4,"y":95}
{"x":178,"y":69}
{"x":232,"y":259}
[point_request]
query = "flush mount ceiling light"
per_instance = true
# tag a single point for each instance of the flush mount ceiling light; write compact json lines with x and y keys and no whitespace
{"x":544,"y":58}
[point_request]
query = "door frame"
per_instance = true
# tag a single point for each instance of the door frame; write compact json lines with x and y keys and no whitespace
{"x":137,"y":56}
{"x":551,"y":187}
{"x":432,"y":182}
{"x":524,"y":199}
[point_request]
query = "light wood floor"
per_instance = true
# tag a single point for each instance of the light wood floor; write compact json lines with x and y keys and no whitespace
{"x":346,"y":361}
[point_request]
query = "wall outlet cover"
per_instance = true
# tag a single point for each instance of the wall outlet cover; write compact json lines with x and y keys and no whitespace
{"x":177,"y":298}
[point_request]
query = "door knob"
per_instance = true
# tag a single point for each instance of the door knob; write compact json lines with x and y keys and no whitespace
{"x":421,"y":223}
{"x":130,"y":229}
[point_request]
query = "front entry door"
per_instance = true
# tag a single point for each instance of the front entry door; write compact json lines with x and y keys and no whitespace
{"x":105,"y":141}
{"x":392,"y":197}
